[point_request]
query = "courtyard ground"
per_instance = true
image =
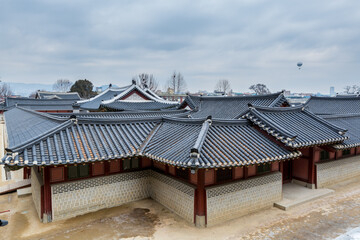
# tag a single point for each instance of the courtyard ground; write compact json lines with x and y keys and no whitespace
{"x":325,"y":218}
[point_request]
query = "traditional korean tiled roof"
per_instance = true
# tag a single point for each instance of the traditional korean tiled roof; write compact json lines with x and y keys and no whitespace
{"x":23,"y":125}
{"x":352,"y":124}
{"x":181,"y":142}
{"x":148,"y":101}
{"x":77,"y":141}
{"x":212,"y":143}
{"x":57,"y":95}
{"x":334,"y":105}
{"x":230,"y":107}
{"x":121,"y":105}
{"x":296,"y":127}
{"x":116,"y":99}
{"x":126,"y":114}
{"x":40,"y":104}
{"x":95,"y":102}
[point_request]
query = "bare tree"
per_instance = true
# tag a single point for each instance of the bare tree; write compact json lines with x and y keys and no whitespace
{"x":5,"y":90}
{"x":145,"y":80}
{"x":62,"y":85}
{"x":347,"y":89}
{"x":223,"y":86}
{"x":351,"y":89}
{"x":259,"y":89}
{"x":177,"y":83}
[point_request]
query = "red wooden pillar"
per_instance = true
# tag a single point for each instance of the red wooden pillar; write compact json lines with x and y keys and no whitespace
{"x":311,"y":172}
{"x":47,"y":217}
{"x":200,"y":199}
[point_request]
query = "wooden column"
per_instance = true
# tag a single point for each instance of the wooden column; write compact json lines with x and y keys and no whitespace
{"x":47,"y":217}
{"x":200,"y":199}
{"x":311,"y":172}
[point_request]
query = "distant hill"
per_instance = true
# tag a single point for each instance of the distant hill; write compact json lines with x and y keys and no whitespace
{"x":25,"y":89}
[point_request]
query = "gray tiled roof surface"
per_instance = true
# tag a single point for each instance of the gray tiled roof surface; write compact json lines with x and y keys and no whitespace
{"x":230,"y":107}
{"x":295,"y":126}
{"x":334,"y":105}
{"x":40,"y":104}
{"x":23,"y":125}
{"x":352,"y":124}
{"x":77,"y":141}
{"x":216,"y":144}
{"x":148,"y":105}
{"x":49,"y":95}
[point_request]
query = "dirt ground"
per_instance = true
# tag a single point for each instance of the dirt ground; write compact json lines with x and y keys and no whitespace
{"x":324,"y":218}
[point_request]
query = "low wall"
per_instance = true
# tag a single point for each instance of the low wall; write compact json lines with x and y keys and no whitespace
{"x":36,"y":190}
{"x":79,"y":197}
{"x":173,"y":194}
{"x":233,"y":200}
{"x":88,"y":195}
{"x":329,"y":173}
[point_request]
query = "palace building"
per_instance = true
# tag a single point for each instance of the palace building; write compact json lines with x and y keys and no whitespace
{"x":209,"y":159}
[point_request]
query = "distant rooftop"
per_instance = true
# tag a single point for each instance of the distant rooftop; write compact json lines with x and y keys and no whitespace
{"x":230,"y":107}
{"x":334,"y":105}
{"x":57,"y":95}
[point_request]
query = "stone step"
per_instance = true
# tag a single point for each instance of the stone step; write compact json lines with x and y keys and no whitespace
{"x":294,"y":195}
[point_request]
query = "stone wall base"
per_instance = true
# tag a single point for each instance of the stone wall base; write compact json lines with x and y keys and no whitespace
{"x":88,"y":195}
{"x":233,"y":200}
{"x":336,"y":171}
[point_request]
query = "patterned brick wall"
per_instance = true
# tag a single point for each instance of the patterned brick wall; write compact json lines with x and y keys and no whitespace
{"x":173,"y":194}
{"x":88,"y":195}
{"x":233,"y":200}
{"x":36,"y":191}
{"x":336,"y":171}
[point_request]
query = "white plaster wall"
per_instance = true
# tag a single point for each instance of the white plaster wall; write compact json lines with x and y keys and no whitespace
{"x":36,"y":191}
{"x":233,"y":200}
{"x":329,"y":173}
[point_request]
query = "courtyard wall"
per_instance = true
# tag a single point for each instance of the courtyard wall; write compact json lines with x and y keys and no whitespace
{"x":232,"y":200}
{"x":79,"y":197}
{"x":328,"y":173}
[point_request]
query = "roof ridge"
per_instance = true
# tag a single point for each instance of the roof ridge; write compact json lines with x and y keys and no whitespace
{"x":279,"y":97}
{"x":41,"y":114}
{"x":335,"y":116}
{"x":340,"y":130}
{"x":149,"y":137}
{"x":279,"y":109}
{"x":240,"y":96}
{"x":196,"y":149}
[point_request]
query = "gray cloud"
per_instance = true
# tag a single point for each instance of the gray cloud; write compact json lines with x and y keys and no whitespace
{"x":244,"y":41}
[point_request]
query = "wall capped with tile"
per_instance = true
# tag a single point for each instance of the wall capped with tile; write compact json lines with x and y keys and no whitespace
{"x":88,"y":195}
{"x":233,"y":200}
{"x":173,"y":194}
{"x":83,"y":196}
{"x":329,"y":173}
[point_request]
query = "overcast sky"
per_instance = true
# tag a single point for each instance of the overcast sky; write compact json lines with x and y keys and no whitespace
{"x":246,"y":42}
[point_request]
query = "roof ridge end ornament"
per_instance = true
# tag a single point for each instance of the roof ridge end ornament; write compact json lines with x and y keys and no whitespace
{"x":209,"y":119}
{"x":133,"y":82}
{"x":250,"y":106}
{"x":73,"y":118}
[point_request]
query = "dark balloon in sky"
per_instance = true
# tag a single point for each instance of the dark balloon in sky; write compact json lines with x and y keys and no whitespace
{"x":299,"y":64}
